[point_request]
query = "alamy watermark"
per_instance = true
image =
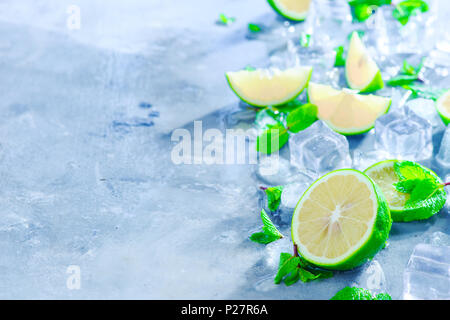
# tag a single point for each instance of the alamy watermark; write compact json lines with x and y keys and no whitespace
{"x":235,"y":146}
{"x":73,"y":281}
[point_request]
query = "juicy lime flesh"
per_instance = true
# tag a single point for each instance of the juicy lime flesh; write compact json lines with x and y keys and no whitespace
{"x":336,"y":216}
{"x":269,"y":87}
{"x":346,"y":111}
{"x":385,"y":176}
{"x":360,"y":67}
{"x":293,"y":6}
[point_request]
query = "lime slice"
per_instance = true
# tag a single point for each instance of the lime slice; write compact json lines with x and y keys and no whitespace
{"x":346,"y":112}
{"x":341,"y":221}
{"x":443,"y":107}
{"x":384,"y":175}
{"x":296,"y":10}
{"x":269,"y":87}
{"x":361,"y":71}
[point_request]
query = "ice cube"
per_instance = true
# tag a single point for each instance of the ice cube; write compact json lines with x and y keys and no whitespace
{"x":319,"y":149}
{"x":443,"y":156}
{"x":277,"y":170}
{"x":427,"y":275}
{"x":404,"y":136}
{"x":292,"y":193}
{"x":417,"y":36}
{"x":426,"y":109}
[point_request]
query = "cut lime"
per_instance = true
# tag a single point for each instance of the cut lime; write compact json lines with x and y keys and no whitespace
{"x":296,"y":10}
{"x":346,"y":112}
{"x":361,"y":71}
{"x":341,"y":221}
{"x":384,"y":175}
{"x":269,"y":87}
{"x":443,"y":107}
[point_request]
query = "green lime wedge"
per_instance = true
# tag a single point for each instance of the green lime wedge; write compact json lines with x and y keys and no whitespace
{"x":269,"y":87}
{"x":346,"y":112}
{"x":361,"y":71}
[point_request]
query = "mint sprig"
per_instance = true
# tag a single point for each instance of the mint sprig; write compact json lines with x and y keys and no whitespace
{"x":405,"y":9}
{"x":299,"y":117}
{"x":414,"y":180}
{"x":354,"y":293}
{"x":408,"y":75}
{"x":269,"y":232}
{"x":291,"y":269}
{"x":273,"y":197}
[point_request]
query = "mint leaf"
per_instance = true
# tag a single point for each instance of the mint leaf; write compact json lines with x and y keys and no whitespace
{"x":353,"y":293}
{"x":406,"y":186}
{"x":424,"y":92}
{"x":407,"y":75}
{"x":250,"y":68}
{"x":409,"y":170}
{"x":408,"y":69}
{"x":269,"y":227}
{"x":339,"y":60}
{"x":423,"y":190}
{"x":288,"y":264}
{"x":292,"y":278}
{"x":270,"y":232}
{"x":254,"y":27}
{"x":291,"y":269}
{"x":272,"y":139}
{"x":223,"y":19}
{"x":263,"y":238}
{"x":302,"y":118}
{"x":405,"y":9}
{"x":273,"y":197}
{"x":402,"y":80}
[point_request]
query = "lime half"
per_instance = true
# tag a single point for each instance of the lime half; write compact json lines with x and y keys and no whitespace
{"x":443,"y":107}
{"x":361,"y":71}
{"x":346,"y":112}
{"x":384,"y":175}
{"x":341,"y":221}
{"x":269,"y":87}
{"x":296,"y":10}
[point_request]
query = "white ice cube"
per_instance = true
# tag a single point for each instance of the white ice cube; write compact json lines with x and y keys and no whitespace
{"x":319,"y":149}
{"x":427,"y":275}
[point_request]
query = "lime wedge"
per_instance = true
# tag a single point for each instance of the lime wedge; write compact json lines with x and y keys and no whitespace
{"x":361,"y":71}
{"x":269,"y":87}
{"x":341,"y":221}
{"x":296,"y":10}
{"x":443,"y":107}
{"x":347,"y":112}
{"x":384,"y":175}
